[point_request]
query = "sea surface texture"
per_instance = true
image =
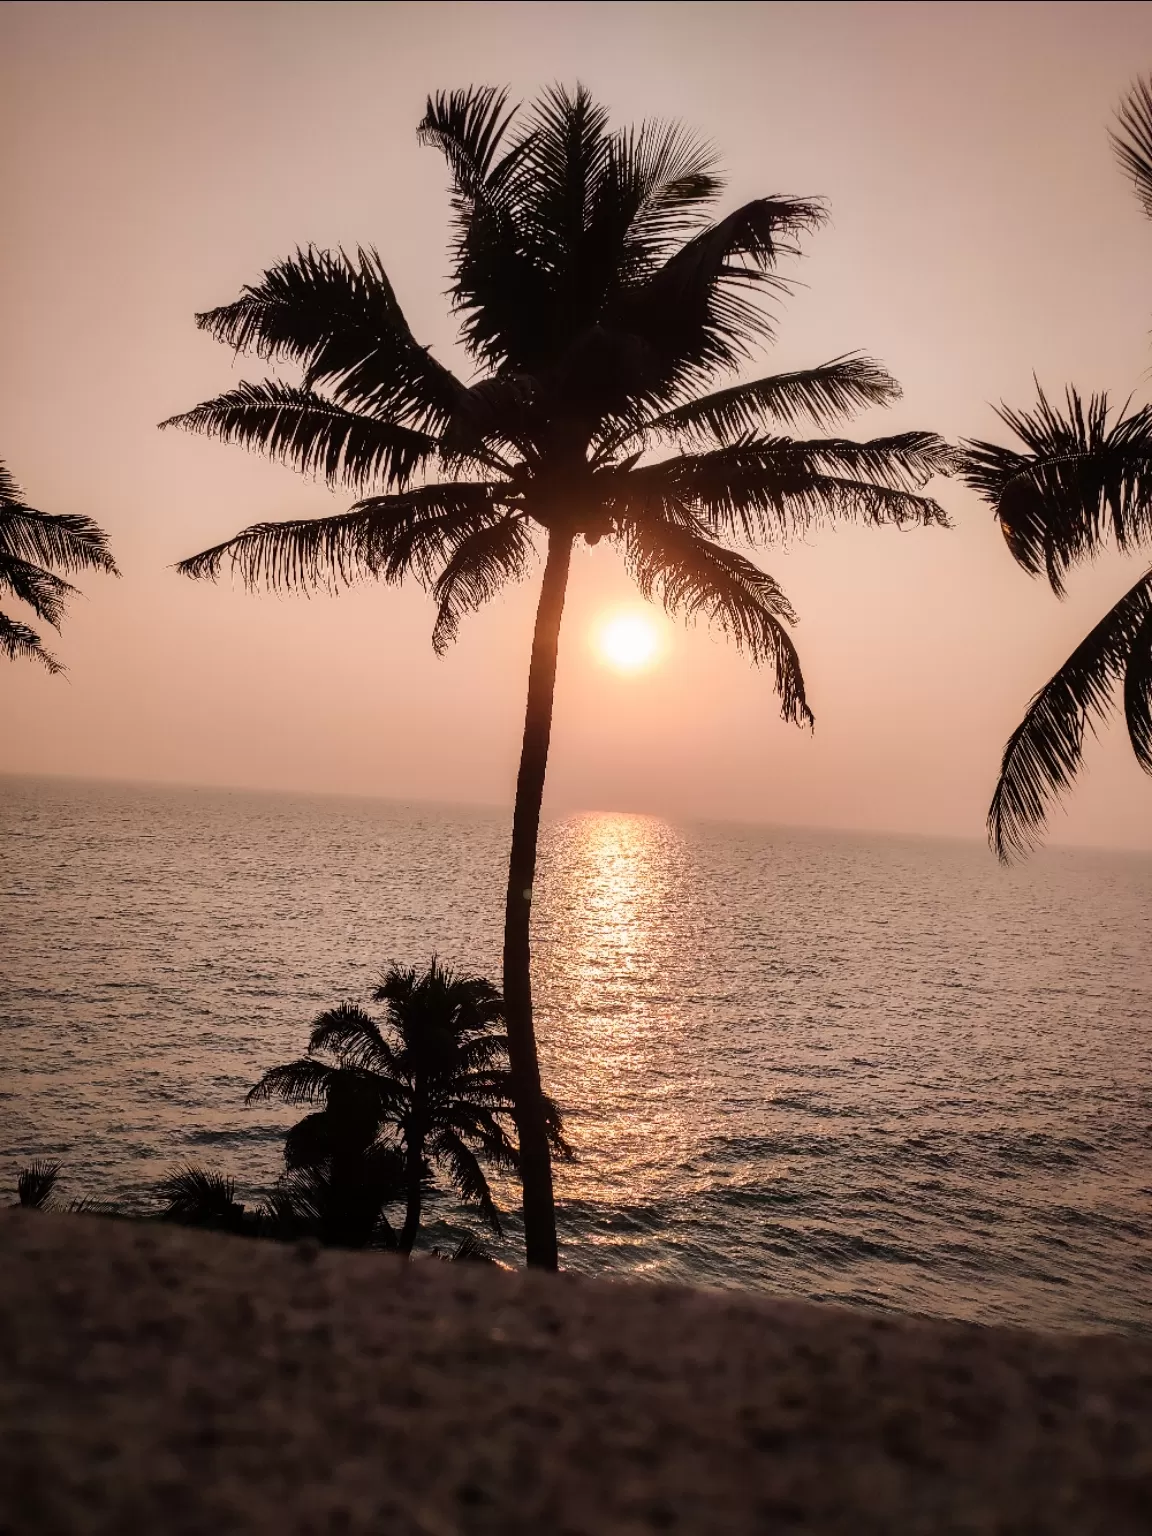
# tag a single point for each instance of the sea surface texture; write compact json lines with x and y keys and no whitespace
{"x":873,"y":1070}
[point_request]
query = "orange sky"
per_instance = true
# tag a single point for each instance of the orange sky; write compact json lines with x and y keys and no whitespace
{"x":158,"y":156}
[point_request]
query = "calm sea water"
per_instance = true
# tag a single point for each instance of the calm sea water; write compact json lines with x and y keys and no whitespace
{"x":875,"y":1070}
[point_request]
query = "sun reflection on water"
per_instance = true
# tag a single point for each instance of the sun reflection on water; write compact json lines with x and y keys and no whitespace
{"x":612,"y":882}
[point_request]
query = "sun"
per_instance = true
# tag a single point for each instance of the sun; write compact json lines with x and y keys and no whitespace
{"x":629,"y":642}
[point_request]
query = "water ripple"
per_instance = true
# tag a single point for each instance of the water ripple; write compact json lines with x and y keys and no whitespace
{"x":874,"y":1070}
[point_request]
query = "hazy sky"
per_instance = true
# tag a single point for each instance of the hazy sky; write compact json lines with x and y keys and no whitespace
{"x":156,"y":157}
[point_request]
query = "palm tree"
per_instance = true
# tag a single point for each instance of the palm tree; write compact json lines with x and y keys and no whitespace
{"x":202,"y":1197}
{"x":1084,"y":477}
{"x":341,"y":1201}
{"x":337,"y":1200}
{"x":33,"y":546}
{"x":601,"y":302}
{"x":36,"y":1186}
{"x":430,"y":1080}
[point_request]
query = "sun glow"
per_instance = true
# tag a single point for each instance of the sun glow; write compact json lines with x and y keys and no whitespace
{"x":628,"y":642}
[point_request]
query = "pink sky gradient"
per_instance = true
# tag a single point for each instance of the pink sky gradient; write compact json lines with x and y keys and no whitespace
{"x":159,"y":156}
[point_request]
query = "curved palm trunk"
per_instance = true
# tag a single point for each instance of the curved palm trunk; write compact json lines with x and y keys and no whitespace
{"x":535,"y":1159}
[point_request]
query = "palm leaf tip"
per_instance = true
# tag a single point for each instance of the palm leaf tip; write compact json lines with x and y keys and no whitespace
{"x":1045,"y":752}
{"x":483,"y":561}
{"x":18,"y":641}
{"x":467,"y":126}
{"x":313,"y":433}
{"x":1081,"y":476}
{"x":822,"y":395}
{"x":35,"y":1185}
{"x":206,"y":565}
{"x":304,"y":555}
{"x":197,"y":1195}
{"x":1131,"y":140}
{"x":692,"y":575}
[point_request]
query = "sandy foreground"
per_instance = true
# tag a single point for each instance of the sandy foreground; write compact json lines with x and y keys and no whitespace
{"x":156,"y":1380}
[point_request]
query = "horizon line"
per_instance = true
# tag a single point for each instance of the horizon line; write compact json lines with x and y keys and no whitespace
{"x":564,"y":809}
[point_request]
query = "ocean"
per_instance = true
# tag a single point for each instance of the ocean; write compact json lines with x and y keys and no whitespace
{"x":880,"y":1071}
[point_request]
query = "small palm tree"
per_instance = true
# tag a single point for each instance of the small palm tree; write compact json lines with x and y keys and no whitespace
{"x":36,"y":1186}
{"x":1084,"y":477}
{"x":431,"y":1081}
{"x":602,"y":302}
{"x":340,"y":1199}
{"x":202,"y":1197}
{"x":339,"y":1202}
{"x":33,"y":547}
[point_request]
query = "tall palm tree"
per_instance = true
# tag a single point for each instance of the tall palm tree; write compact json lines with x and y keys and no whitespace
{"x":431,"y":1080}
{"x":33,"y":547}
{"x":1082,"y":478}
{"x":601,"y":301}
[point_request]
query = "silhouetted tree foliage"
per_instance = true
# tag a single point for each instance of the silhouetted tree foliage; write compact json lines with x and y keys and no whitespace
{"x":1081,"y":478}
{"x":340,"y":1202}
{"x":36,"y":1190}
{"x":203,"y":1197}
{"x":469,"y":1250}
{"x":34,"y":546}
{"x":602,"y":299}
{"x":36,"y":1184}
{"x":425,"y":1088}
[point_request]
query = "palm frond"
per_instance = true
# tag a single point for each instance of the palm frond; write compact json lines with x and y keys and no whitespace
{"x":296,"y":1082}
{"x":764,"y":488}
{"x":690,"y":575}
{"x":1081,"y":480}
{"x":703,"y":311}
{"x":61,"y":541}
{"x":89,"y":1206}
{"x":309,"y":1141}
{"x":35,"y":1185}
{"x":478,"y":1125}
{"x":313,"y":434}
{"x":339,"y":318}
{"x":554,"y":1124}
{"x":199,"y":1197}
{"x":464,"y":1002}
{"x":496,"y":416}
{"x":44,"y":593}
{"x":466,"y":1174}
{"x":496,"y":288}
{"x":382,"y":536}
{"x":398,"y":984}
{"x":660,"y":180}
{"x":339,"y":1202}
{"x":904,"y":461}
{"x":33,"y":546}
{"x":1138,"y":693}
{"x":822,"y":395}
{"x":1132,"y":141}
{"x":469,"y":1250}
{"x":420,"y":541}
{"x":353,"y":1036}
{"x":482,"y":563}
{"x":1045,"y":750}
{"x":17,"y":641}
{"x":484,"y":1052}
{"x":468,"y":127}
